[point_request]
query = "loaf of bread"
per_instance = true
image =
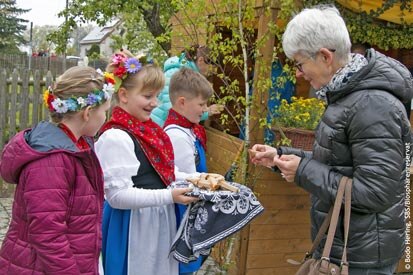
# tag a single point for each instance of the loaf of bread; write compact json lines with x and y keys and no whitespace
{"x":212,"y":182}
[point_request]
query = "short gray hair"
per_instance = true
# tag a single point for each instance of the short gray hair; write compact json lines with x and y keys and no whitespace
{"x":316,"y":28}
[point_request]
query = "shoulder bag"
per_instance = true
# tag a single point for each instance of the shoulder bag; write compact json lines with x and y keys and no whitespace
{"x":311,"y":266}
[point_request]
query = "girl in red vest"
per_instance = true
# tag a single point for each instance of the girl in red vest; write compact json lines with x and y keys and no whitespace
{"x":139,"y":221}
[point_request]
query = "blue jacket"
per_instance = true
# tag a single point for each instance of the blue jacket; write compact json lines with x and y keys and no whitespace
{"x":171,"y":66}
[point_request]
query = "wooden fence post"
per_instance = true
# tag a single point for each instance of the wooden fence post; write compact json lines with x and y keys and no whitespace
{"x":13,"y":102}
{"x":3,"y":105}
{"x":36,"y":112}
{"x":24,"y":96}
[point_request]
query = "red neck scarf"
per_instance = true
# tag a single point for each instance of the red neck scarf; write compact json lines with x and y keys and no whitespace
{"x":154,"y":142}
{"x":178,"y":119}
{"x":81,"y":143}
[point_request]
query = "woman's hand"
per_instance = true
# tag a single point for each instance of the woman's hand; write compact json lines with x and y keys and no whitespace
{"x":215,"y":109}
{"x":288,"y":165}
{"x":178,"y":196}
{"x":263,"y":155}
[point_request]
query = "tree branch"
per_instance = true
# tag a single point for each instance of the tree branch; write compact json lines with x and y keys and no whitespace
{"x":153,"y":21}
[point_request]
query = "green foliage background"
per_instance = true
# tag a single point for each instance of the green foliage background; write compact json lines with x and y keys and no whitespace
{"x":365,"y":28}
{"x":11,"y":26}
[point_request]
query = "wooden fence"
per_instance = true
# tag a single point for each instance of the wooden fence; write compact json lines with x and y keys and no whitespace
{"x":55,"y":64}
{"x":21,"y":105}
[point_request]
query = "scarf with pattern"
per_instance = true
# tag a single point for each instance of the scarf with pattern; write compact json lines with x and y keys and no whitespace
{"x":342,"y":76}
{"x":154,"y":142}
{"x":180,"y":120}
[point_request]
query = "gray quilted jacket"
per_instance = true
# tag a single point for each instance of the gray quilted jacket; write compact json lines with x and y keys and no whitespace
{"x":364,"y":134}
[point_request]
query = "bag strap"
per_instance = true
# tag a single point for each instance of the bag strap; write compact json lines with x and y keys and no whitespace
{"x":334,"y":218}
{"x":328,"y":219}
{"x":330,"y":222}
{"x":347,"y":212}
{"x":325,"y":258}
{"x":321,"y":232}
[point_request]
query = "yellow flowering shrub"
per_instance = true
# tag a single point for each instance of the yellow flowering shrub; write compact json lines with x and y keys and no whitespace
{"x":303,"y":113}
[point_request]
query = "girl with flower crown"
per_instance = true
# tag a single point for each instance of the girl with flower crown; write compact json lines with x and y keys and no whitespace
{"x":139,"y":221}
{"x":57,"y":210}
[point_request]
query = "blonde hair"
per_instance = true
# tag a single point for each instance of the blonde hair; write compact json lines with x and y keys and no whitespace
{"x":77,"y":81}
{"x":189,"y":84}
{"x":149,"y":77}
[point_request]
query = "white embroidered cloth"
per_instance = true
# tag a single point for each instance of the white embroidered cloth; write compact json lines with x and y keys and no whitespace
{"x":214,"y":217}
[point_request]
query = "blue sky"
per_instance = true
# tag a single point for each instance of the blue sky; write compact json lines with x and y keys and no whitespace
{"x":43,"y":12}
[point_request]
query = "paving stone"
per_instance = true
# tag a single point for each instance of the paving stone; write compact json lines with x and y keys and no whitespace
{"x":5,"y":215}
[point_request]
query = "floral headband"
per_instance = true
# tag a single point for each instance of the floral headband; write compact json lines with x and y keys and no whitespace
{"x":74,"y":104}
{"x":124,"y":65}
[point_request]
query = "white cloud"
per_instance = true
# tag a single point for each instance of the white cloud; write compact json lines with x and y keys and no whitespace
{"x":43,"y":12}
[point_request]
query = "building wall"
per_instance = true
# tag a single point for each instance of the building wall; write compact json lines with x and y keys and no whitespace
{"x":83,"y":50}
{"x":184,"y":36}
{"x":105,"y":47}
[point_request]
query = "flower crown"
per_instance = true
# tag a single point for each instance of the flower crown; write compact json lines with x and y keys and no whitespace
{"x":123,"y":66}
{"x":74,"y":104}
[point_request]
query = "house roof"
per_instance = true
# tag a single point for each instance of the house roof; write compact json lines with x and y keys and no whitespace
{"x":98,"y":34}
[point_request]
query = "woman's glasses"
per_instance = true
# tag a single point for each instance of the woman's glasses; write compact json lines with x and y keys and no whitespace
{"x":299,"y":65}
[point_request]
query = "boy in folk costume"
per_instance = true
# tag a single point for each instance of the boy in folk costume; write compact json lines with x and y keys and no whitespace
{"x":189,"y":93}
{"x":195,"y":58}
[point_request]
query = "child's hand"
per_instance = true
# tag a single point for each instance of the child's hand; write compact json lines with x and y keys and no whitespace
{"x":179,"y":196}
{"x":215,"y":109}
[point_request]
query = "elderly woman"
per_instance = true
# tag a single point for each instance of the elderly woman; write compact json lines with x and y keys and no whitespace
{"x":364,"y":134}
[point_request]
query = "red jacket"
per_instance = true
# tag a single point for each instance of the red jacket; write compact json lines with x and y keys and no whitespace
{"x":57,"y":209}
